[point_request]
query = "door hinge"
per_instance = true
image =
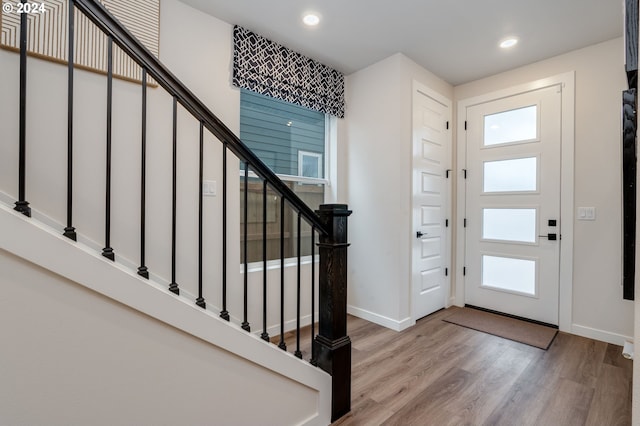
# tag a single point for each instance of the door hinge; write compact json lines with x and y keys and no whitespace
{"x":446,"y":223}
{"x":464,"y":223}
{"x":446,"y":173}
{"x":446,"y":272}
{"x":465,"y":173}
{"x":464,"y":270}
{"x":465,"y":124}
{"x":447,"y":125}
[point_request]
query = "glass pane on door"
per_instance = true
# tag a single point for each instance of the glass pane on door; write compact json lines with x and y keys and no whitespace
{"x":516,"y":225}
{"x":516,"y":125}
{"x":509,"y":273}
{"x":516,"y":175}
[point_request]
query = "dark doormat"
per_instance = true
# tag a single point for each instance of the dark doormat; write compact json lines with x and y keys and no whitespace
{"x":529,"y":333}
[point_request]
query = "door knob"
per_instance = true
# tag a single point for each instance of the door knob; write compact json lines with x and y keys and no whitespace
{"x":419,"y":234}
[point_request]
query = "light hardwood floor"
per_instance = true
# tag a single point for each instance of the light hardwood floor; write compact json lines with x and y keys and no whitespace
{"x":437,"y":373}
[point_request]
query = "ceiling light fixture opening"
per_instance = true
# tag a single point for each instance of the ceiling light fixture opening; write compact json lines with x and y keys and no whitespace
{"x":311,"y":19}
{"x":508,"y":42}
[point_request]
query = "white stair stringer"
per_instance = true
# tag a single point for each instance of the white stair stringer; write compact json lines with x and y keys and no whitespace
{"x":38,"y":244}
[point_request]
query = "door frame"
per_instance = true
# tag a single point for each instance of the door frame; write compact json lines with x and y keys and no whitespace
{"x":567,"y":82}
{"x":427,"y":91}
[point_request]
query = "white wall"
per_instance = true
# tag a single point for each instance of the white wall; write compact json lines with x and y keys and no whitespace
{"x":598,"y":308}
{"x":378,"y":144}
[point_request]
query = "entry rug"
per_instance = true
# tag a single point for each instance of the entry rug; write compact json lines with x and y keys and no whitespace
{"x":531,"y":334}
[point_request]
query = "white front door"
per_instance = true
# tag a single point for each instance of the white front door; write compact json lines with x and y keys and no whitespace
{"x":431,"y":194}
{"x":513,"y":204}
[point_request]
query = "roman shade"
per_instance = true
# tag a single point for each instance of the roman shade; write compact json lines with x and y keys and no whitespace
{"x":266,"y":67}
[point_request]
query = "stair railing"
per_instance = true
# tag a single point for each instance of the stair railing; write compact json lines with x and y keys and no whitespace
{"x":331,"y":347}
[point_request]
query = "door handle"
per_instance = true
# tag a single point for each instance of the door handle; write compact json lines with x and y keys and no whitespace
{"x":551,"y":237}
{"x":419,"y":234}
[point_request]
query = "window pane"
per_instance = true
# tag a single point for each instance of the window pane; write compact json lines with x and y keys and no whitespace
{"x":310,"y":164}
{"x":510,"y":274}
{"x":309,"y":167}
{"x":511,"y":126}
{"x":312,"y":195}
{"x":276,"y":130}
{"x":509,"y":225}
{"x":519,"y":174}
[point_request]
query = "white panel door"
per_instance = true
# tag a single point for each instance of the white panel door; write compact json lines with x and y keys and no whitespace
{"x":431,"y":154}
{"x":512,"y":255}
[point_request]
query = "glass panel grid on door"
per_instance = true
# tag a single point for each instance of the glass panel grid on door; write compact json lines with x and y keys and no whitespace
{"x":512,"y":198}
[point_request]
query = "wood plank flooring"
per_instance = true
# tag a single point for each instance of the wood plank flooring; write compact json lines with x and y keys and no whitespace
{"x":437,"y":373}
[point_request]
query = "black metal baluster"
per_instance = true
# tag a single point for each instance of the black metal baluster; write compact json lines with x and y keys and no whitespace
{"x":313,"y":293}
{"x":22,"y":205}
{"x":107,"y":251}
{"x":245,"y":322}
{"x":224,"y":314}
{"x":173,"y":287}
{"x":264,"y":335}
{"x":69,"y":230}
{"x":200,"y":300}
{"x":143,"y":271}
{"x":297,"y":352}
{"x":282,"y":345}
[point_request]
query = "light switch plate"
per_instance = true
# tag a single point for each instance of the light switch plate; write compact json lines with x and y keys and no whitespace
{"x":586,"y":213}
{"x":209,"y":188}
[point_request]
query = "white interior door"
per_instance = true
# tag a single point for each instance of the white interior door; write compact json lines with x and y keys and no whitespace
{"x":512,"y":220}
{"x":431,"y":194}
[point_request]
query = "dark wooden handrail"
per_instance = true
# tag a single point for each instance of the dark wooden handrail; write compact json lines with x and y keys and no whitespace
{"x":165,"y":78}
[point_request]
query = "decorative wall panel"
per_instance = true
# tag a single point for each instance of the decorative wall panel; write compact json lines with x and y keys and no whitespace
{"x":48,"y":33}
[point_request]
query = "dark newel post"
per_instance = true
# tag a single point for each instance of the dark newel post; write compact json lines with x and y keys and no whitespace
{"x":332,"y":349}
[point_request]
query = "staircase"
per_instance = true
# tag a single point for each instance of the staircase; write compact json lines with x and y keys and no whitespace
{"x":121,"y":234}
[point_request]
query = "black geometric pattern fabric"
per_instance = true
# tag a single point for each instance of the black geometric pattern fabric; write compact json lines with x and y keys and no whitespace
{"x":270,"y":69}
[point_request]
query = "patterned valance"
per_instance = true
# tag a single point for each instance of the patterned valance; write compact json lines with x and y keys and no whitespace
{"x":268,"y":68}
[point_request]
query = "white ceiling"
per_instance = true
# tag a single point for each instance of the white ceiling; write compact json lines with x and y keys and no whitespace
{"x":455,"y":39}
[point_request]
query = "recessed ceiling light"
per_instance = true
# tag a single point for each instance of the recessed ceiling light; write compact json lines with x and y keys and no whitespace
{"x":508,"y":42}
{"x":311,"y":19}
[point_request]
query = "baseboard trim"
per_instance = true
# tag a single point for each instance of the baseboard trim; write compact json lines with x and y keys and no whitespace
{"x":397,"y":325}
{"x":602,"y":335}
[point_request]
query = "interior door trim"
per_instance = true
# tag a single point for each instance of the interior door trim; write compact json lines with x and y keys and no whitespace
{"x":567,"y":83}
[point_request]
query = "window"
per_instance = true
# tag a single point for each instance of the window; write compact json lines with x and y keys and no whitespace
{"x":511,"y":175}
{"x":291,"y":141}
{"x":509,"y":274}
{"x":515,"y":225}
{"x":516,"y":125}
{"x":309,"y":164}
